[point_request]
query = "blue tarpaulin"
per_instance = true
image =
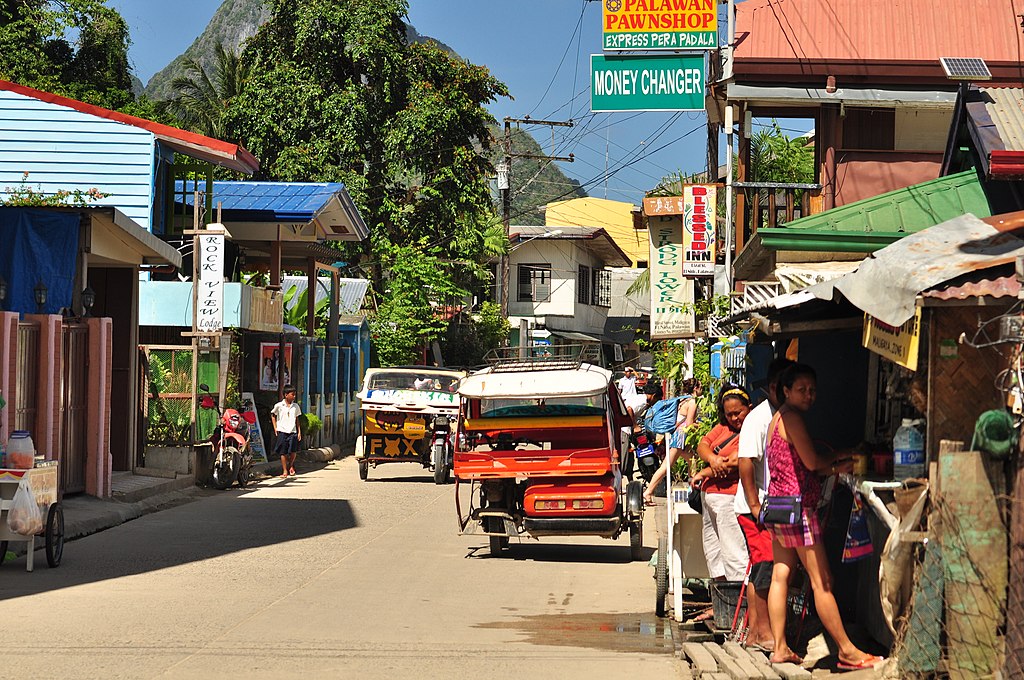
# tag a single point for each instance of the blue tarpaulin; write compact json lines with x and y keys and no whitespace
{"x":38,"y":246}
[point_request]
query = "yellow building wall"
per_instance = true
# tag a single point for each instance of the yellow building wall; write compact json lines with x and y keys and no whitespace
{"x":615,"y":217}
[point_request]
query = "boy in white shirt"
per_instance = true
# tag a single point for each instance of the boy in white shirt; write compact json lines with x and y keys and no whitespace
{"x":749,"y":496}
{"x":285,"y":418}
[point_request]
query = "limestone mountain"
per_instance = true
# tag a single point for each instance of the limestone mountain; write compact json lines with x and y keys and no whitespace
{"x":535,"y":183}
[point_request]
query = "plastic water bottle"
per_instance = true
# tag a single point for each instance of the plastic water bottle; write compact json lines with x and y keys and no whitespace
{"x":908,"y":451}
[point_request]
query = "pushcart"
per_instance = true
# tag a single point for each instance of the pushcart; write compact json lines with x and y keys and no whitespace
{"x":44,"y":481}
{"x":683,"y":549}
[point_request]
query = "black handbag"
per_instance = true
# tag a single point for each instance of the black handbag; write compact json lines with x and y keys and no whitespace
{"x":695,"y":501}
{"x":785,"y":510}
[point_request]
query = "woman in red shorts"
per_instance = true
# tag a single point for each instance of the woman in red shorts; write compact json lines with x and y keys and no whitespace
{"x":793,"y":465}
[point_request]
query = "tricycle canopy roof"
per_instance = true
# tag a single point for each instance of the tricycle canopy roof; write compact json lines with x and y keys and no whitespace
{"x":411,"y":387}
{"x":584,"y":381}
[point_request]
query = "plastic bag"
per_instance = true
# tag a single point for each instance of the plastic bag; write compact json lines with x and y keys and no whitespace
{"x":24,"y":517}
{"x":858,"y":540}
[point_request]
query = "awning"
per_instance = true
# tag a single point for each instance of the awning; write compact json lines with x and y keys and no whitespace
{"x":578,"y":337}
{"x":851,"y":96}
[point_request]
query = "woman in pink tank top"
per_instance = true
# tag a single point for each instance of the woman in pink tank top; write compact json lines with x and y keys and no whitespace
{"x":794,"y":465}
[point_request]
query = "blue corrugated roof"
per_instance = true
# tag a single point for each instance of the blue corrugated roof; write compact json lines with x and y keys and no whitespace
{"x":269,"y":201}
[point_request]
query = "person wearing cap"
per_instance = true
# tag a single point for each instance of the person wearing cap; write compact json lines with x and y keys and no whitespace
{"x":627,"y":384}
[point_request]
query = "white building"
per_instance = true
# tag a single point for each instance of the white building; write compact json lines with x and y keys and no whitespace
{"x":559,"y":281}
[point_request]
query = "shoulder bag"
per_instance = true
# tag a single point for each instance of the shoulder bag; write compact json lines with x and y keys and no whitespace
{"x":780,"y":510}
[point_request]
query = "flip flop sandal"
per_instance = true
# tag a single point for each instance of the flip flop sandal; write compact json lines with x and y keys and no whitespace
{"x":868,"y":662}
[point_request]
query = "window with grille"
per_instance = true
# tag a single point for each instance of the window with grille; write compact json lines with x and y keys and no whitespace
{"x":583,"y":285}
{"x":602,"y":294}
{"x":534,"y":282}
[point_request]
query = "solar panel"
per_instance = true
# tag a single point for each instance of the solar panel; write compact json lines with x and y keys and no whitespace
{"x":965,"y":68}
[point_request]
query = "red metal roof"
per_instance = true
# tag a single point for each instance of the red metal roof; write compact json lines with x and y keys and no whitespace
{"x":191,"y":144}
{"x":832,"y":37}
{"x":997,"y":287}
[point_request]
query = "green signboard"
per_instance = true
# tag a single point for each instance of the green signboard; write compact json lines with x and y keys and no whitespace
{"x":672,"y":82}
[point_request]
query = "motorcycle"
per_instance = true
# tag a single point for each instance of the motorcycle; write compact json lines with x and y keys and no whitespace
{"x":648,"y":454}
{"x":230,"y":440}
{"x":441,"y":448}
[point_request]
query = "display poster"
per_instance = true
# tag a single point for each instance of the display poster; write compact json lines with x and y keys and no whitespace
{"x":699,"y":203}
{"x":897,"y":344}
{"x":672,"y":308}
{"x":256,"y":443}
{"x":660,"y":82}
{"x":270,"y":359}
{"x":210,"y":294}
{"x":660,"y":24}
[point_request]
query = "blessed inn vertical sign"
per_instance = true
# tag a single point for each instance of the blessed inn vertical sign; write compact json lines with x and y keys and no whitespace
{"x":672,"y":311}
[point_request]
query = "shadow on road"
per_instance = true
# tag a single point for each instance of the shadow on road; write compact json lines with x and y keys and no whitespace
{"x":221,"y":524}
{"x":606,"y":553}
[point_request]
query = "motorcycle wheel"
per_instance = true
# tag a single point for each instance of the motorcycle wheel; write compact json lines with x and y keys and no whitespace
{"x":364,"y":470}
{"x":244,"y":475}
{"x":226,"y":471}
{"x":441,"y":468}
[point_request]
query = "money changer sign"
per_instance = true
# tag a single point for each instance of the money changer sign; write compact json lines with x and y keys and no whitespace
{"x":660,"y":25}
{"x":668,"y":82}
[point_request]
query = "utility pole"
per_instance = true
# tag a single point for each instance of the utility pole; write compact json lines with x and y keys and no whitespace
{"x":505,"y":187}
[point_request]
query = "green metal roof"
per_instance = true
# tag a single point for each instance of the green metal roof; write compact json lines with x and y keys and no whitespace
{"x":873,"y":223}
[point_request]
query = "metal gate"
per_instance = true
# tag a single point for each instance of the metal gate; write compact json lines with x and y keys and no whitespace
{"x":74,"y":407}
{"x":27,"y":377}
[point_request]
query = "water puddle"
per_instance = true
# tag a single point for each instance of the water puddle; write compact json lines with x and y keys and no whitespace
{"x":643,"y":633}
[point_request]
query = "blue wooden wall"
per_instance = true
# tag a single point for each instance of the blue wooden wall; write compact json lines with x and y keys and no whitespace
{"x":62,"y":148}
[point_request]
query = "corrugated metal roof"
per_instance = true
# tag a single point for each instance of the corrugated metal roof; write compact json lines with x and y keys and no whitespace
{"x":906,"y":210}
{"x":351,"y":293}
{"x":1005,"y":108}
{"x":887,"y":284}
{"x":997,"y":287}
{"x":279,"y":201}
{"x":876,"y":30}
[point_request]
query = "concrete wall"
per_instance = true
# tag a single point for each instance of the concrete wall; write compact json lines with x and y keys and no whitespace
{"x":564,"y":256}
{"x":615,"y":217}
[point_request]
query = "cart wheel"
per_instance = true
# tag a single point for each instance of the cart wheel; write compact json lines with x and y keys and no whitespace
{"x":54,"y":535}
{"x":636,"y":540}
{"x":661,"y":577}
{"x":364,"y":470}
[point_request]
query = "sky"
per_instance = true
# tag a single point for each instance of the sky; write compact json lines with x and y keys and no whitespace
{"x":539,"y":48}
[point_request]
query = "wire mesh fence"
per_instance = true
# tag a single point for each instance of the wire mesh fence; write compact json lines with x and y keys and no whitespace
{"x":168,"y":396}
{"x":955,"y":624}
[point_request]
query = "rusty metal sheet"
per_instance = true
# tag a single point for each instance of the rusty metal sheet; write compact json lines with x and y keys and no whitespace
{"x":887,"y":283}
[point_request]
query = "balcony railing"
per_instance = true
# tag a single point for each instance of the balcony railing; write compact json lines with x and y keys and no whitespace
{"x":772,"y":204}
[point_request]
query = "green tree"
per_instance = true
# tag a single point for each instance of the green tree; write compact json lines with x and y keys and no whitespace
{"x":337,"y":93}
{"x":775,"y":157}
{"x":201,"y":99}
{"x":76,"y":48}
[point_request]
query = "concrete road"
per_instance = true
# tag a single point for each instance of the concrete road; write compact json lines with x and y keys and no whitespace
{"x":323,"y":575}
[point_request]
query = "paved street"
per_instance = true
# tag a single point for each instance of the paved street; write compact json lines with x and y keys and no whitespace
{"x":326,"y":576}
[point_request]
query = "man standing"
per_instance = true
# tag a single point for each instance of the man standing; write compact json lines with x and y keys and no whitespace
{"x":285,"y":419}
{"x":627,"y":385}
{"x":749,"y":496}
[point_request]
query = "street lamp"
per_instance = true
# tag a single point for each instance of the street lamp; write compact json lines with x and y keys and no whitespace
{"x":40,"y":294}
{"x":88,"y":300}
